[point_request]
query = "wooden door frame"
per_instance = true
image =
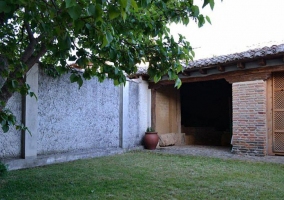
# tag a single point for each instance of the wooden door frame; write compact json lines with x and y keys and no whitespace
{"x":269,"y":117}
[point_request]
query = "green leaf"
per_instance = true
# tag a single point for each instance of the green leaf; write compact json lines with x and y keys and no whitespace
{"x":185,"y":21}
{"x":3,"y":103}
{"x":91,"y":10}
{"x":70,"y":3}
{"x":61,"y":70}
{"x":211,"y":2}
{"x":195,"y":11}
{"x":4,"y":118}
{"x":116,"y":82}
{"x":113,"y":54}
{"x":201,"y":20}
{"x":109,"y":37}
{"x":72,"y":58}
{"x":178,"y":83}
{"x":105,"y":41}
{"x":14,"y":83}
{"x":113,"y":12}
{"x":208,"y":19}
{"x":78,"y":25}
{"x":74,"y":12}
{"x":32,"y":94}
{"x":124,"y":15}
{"x":73,"y":78}
{"x":205,"y":3}
{"x":64,"y":43}
{"x":11,"y":120}
{"x":134,"y":5}
{"x":88,"y":26}
{"x":80,"y":81}
{"x":5,"y":128}
{"x":179,"y":68}
{"x":171,"y":74}
{"x":157,"y":78}
{"x":4,"y":7}
{"x":124,"y":4}
{"x":99,"y":12}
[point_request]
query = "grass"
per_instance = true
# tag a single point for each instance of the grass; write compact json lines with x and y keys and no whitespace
{"x":147,"y":175}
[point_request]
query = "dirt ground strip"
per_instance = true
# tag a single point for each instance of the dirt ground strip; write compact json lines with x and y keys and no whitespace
{"x":216,"y":152}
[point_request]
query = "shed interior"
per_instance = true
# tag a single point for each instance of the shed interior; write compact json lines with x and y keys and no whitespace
{"x":206,"y":112}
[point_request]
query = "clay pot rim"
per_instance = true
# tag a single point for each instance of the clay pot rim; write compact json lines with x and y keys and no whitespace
{"x":151,"y":132}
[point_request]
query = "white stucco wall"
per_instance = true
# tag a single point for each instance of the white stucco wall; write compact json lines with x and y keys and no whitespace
{"x":98,"y":115}
{"x":10,"y":142}
{"x":132,"y":135}
{"x":137,"y":116}
{"x":144,"y":107}
{"x":72,"y":118}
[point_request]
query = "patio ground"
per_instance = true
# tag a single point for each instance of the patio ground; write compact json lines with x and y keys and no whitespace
{"x":216,"y":152}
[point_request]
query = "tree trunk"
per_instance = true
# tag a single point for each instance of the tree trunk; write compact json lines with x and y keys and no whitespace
{"x":7,"y":89}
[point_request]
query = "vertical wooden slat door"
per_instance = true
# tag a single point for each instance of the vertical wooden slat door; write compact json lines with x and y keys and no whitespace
{"x":278,"y":113}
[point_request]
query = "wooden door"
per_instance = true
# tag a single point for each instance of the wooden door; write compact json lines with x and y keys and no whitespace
{"x":167,"y":110}
{"x":278,"y":113}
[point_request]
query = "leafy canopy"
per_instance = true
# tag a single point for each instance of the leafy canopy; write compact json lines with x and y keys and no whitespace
{"x":107,"y":38}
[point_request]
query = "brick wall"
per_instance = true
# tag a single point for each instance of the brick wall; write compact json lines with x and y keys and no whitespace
{"x":249,"y":118}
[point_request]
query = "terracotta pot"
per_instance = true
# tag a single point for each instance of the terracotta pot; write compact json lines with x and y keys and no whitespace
{"x":151,"y":140}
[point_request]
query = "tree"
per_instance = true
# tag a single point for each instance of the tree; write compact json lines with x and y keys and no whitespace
{"x":96,"y":32}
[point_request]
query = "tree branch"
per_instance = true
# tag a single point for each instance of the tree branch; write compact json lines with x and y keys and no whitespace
{"x":34,"y":59}
{"x":31,"y":47}
{"x":48,"y":5}
{"x":29,"y":31}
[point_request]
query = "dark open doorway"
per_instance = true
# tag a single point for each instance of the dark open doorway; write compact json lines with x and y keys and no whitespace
{"x":206,"y":112}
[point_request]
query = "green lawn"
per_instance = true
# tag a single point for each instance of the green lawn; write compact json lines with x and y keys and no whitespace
{"x":146,"y":175}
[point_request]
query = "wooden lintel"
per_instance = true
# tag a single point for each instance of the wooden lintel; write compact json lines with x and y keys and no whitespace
{"x":262,"y":62}
{"x":202,"y":71}
{"x":221,"y":68}
{"x":153,"y":85}
{"x":241,"y":65}
{"x":248,"y":77}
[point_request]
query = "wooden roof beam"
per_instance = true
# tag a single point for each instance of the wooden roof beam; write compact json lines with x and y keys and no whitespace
{"x":202,"y":71}
{"x":241,"y":65}
{"x":262,"y":62}
{"x":221,"y":68}
{"x":186,"y":73}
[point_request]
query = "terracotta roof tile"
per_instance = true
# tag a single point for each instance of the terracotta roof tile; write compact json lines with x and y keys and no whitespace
{"x":245,"y":55}
{"x":250,"y":54}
